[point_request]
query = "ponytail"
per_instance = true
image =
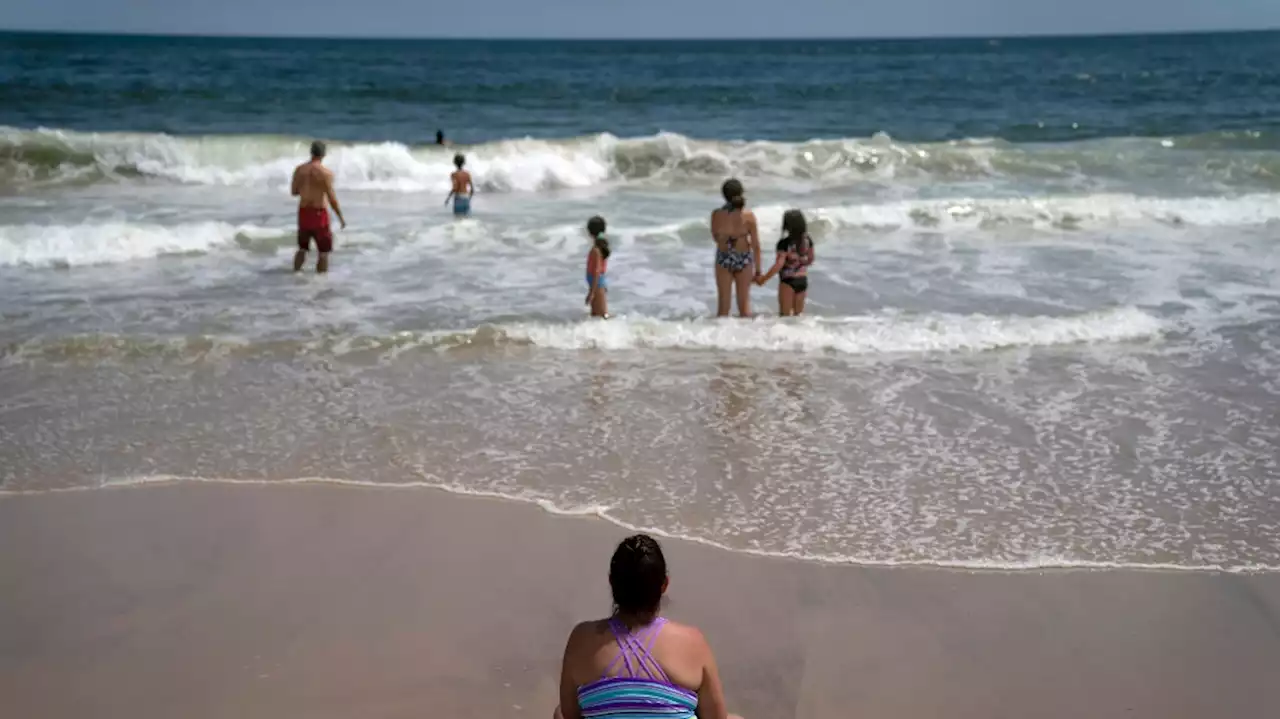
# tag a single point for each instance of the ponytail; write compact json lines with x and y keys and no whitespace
{"x":596,"y":227}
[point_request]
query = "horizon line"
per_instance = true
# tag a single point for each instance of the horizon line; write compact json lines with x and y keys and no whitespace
{"x":691,"y":38}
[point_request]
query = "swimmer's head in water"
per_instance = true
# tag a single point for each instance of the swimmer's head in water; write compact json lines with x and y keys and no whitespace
{"x":439,"y":137}
{"x":459,"y":161}
{"x":733,"y":193}
{"x":638,"y":575}
{"x":317,"y":150}
{"x":793,"y":224}
{"x":595,"y":228}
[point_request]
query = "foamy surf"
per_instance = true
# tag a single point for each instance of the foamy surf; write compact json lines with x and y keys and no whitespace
{"x":606,"y":513}
{"x":527,"y":164}
{"x":887,"y":333}
{"x":53,"y":245}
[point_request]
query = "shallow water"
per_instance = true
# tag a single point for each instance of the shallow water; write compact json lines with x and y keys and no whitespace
{"x":1042,"y":323}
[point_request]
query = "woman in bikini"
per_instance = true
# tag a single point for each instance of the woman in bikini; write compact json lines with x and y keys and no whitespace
{"x":795,"y":254}
{"x":737,"y":250}
{"x":636,"y":663}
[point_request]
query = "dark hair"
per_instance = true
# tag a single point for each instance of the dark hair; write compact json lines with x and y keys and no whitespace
{"x":459,"y":160}
{"x":595,"y":228}
{"x":317,"y":149}
{"x":794,"y":225}
{"x":636,"y":575}
{"x":733,"y":193}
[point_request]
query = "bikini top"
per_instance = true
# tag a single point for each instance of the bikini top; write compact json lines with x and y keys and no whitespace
{"x":730,"y":242}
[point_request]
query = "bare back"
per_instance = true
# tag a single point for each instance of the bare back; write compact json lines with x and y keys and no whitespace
{"x":734,"y":231}
{"x":461,"y":182}
{"x":680,"y":651}
{"x":313,"y":184}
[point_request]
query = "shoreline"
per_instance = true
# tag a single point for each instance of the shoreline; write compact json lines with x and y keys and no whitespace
{"x":212,"y":601}
{"x":601,"y":514}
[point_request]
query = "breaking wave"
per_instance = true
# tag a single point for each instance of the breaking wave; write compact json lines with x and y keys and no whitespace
{"x":36,"y":245}
{"x":884,"y":333}
{"x":49,"y":155}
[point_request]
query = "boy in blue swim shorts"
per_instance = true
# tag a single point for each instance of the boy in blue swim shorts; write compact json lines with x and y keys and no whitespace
{"x":462,"y":189}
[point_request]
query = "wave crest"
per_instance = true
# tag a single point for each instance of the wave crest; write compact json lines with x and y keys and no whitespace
{"x":50,"y":155}
{"x":885,"y":333}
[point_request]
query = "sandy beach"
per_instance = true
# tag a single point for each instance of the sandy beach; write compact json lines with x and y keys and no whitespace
{"x":327,"y":601}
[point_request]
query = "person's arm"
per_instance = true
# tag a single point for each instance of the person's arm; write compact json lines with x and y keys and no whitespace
{"x":810,"y":256}
{"x":711,"y":704}
{"x":777,"y":267}
{"x":295,"y":189}
{"x":471,"y":186}
{"x":452,"y":191}
{"x":593,"y":274}
{"x":754,"y":233}
{"x":569,"y":708}
{"x":333,"y":199}
{"x":714,"y":237}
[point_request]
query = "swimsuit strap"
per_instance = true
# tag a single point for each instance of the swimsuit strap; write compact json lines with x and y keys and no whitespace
{"x":647,"y":660}
{"x":630,"y":647}
{"x":620,"y":635}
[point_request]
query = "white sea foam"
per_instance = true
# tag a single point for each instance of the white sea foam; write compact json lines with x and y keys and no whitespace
{"x":531,"y":164}
{"x":885,"y":333}
{"x":102,"y":243}
{"x":606,"y":513}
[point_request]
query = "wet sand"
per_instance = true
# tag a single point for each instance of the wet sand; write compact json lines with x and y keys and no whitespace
{"x":324,"y":601}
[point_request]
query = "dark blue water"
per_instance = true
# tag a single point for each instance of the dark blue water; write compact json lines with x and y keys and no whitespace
{"x":1019,"y":89}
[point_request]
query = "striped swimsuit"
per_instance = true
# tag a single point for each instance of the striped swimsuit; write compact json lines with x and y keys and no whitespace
{"x":640,"y":690}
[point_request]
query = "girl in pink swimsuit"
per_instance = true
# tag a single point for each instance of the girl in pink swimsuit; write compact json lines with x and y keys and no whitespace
{"x":598,"y":268}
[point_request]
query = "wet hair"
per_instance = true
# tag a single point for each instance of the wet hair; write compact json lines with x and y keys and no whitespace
{"x":595,"y":228}
{"x":439,"y":137}
{"x":636,"y":575}
{"x":794,"y":225}
{"x":317,"y":149}
{"x":733,"y":193}
{"x":459,"y":160}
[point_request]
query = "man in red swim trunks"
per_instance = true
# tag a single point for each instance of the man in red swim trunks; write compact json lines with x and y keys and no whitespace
{"x":313,"y":186}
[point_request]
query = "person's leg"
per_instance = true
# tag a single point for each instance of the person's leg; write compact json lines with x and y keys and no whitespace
{"x":799,"y":301}
{"x":324,"y":243}
{"x":743,"y":280}
{"x":300,"y":257}
{"x":600,"y":303}
{"x":786,"y":300}
{"x":724,"y":291}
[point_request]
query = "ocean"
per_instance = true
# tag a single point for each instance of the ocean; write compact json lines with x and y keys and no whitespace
{"x":1042,"y":326}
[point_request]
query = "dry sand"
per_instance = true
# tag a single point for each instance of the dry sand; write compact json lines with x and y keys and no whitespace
{"x":321,"y":601}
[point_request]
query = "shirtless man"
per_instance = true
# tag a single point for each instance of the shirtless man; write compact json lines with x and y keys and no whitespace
{"x":462,"y":189}
{"x":313,"y":186}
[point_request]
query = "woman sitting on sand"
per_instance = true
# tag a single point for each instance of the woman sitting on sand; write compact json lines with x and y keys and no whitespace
{"x":733,"y":227}
{"x":636,"y":664}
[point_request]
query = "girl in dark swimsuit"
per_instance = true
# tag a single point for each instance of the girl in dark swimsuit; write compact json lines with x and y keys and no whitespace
{"x":733,"y":227}
{"x":795,"y":254}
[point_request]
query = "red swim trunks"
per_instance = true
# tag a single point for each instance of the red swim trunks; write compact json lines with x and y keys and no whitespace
{"x":313,"y":222}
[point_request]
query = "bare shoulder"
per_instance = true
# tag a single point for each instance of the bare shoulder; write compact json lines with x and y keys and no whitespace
{"x":688,"y":635}
{"x":584,"y":631}
{"x":749,"y":216}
